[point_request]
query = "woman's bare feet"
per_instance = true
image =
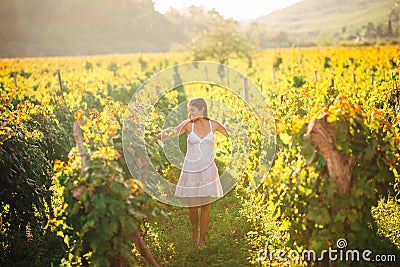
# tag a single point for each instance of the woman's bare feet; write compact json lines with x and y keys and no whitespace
{"x":202,"y":243}
{"x":195,"y":234}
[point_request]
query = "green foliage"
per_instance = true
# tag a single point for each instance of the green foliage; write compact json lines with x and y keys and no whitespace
{"x":387,"y":214}
{"x":135,"y":26}
{"x":278,"y":62}
{"x":100,"y":206}
{"x":221,"y":42}
{"x":298,"y":81}
{"x":269,"y":229}
{"x":300,"y":185}
{"x":296,"y":207}
{"x":157,"y":118}
{"x":113,"y":67}
{"x":31,"y":139}
{"x":366,"y":127}
{"x":88,"y":65}
{"x":100,"y":212}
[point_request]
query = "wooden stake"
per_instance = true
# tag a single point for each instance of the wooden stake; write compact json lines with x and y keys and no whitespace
{"x":141,"y":244}
{"x":158,"y":90}
{"x":14,"y":74}
{"x":79,"y":142}
{"x":227,"y":73}
{"x":273,"y":75}
{"x":60,"y":84}
{"x":246,"y":89}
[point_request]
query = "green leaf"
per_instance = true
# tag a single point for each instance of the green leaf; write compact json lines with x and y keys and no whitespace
{"x":320,"y":215}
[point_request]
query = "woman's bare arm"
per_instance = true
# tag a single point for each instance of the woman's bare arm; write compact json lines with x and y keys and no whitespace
{"x":228,"y":131}
{"x":172,"y":131}
{"x":223,"y":129}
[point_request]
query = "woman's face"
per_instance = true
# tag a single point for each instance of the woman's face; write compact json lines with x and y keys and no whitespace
{"x":195,"y":112}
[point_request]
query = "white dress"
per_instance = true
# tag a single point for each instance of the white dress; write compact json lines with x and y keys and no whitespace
{"x":199,"y":176}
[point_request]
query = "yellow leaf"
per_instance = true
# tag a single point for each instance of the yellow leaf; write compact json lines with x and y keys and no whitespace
{"x":286,"y":139}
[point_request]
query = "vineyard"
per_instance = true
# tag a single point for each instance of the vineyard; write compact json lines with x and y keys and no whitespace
{"x":68,"y":197}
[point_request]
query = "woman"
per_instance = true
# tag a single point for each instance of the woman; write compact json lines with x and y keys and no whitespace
{"x":199,"y":179}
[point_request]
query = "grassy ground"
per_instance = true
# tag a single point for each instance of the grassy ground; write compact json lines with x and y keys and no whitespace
{"x":231,"y":242}
{"x":169,"y":238}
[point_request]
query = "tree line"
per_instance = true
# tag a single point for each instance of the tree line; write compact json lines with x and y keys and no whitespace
{"x":74,"y":28}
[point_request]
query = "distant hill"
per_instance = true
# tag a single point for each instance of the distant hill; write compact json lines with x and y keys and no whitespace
{"x":313,"y":17}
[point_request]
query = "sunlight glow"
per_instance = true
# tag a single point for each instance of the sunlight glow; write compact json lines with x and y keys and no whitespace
{"x":249,"y":9}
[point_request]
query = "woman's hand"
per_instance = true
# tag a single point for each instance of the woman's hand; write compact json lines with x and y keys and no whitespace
{"x":235,"y":133}
{"x":170,"y":132}
{"x":157,"y":138}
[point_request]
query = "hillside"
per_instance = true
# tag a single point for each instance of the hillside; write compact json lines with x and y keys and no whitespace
{"x":73,"y":27}
{"x":313,"y":17}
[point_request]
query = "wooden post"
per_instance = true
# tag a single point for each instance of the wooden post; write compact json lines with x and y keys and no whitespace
{"x":158,"y":90}
{"x":354,"y":78}
{"x":60,"y":83}
{"x":246,"y":89}
{"x":315,"y":76}
{"x":372,"y":78}
{"x":333,"y":83}
{"x":79,"y":142}
{"x":227,"y":72}
{"x":14,"y":75}
{"x":141,"y":244}
{"x":274,"y":76}
{"x":282,"y":98}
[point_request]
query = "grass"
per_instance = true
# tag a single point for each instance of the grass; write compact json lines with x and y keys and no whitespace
{"x":169,"y":238}
{"x":238,"y":230}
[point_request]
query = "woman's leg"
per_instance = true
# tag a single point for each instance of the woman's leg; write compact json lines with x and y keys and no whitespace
{"x":194,"y":217}
{"x":204,"y":219}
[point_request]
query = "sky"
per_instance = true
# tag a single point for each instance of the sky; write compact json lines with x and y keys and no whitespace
{"x":237,"y":9}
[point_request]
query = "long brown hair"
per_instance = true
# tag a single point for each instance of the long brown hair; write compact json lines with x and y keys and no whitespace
{"x":199,"y":103}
